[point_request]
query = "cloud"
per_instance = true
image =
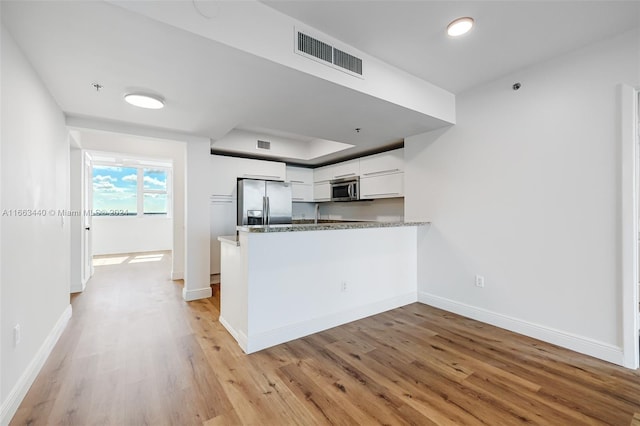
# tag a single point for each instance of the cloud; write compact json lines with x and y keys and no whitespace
{"x":104,"y":178}
{"x":130,"y":178}
{"x":106,"y":186}
{"x":154,"y":181}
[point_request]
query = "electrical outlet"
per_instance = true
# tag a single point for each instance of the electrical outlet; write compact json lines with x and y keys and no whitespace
{"x":343,"y":286}
{"x":479,"y":281}
{"x":17,"y":335}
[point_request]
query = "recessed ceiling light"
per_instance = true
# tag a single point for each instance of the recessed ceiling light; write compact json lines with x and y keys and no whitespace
{"x":143,"y":100}
{"x":459,"y":26}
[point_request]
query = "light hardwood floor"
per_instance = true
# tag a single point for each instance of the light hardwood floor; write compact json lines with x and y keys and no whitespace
{"x":134,"y":353}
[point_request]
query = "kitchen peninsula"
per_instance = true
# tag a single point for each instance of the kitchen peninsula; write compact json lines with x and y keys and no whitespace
{"x":283,"y":282}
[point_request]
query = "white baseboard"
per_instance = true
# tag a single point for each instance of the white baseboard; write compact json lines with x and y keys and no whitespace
{"x":256,"y":342}
{"x":584,"y":345}
{"x":240,"y":337}
{"x":200,"y":293}
{"x":16,"y":395}
{"x":177,"y":275}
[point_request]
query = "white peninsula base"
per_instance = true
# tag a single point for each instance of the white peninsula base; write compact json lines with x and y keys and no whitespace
{"x":278,"y":285}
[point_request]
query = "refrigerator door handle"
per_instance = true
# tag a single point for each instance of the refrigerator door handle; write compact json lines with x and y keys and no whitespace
{"x":268,"y":212}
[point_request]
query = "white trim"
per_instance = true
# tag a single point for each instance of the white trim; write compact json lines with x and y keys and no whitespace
{"x":199,"y":293}
{"x":627,"y":96}
{"x":258,"y":341}
{"x":240,"y":337}
{"x":16,"y":395}
{"x":571,"y":341}
{"x":177,"y":275}
{"x":78,"y":288}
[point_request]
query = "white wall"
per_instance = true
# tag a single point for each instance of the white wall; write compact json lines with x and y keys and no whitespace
{"x":382,"y":210}
{"x":129,"y":234}
{"x":34,"y":250}
{"x":198,"y":237}
{"x":524,"y":190}
{"x":105,"y":236}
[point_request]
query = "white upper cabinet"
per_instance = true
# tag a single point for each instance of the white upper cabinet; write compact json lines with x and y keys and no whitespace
{"x":322,"y":174}
{"x":301,"y":180}
{"x":322,"y":191}
{"x":346,"y":169}
{"x":382,"y":175}
{"x":382,"y":186}
{"x":261,"y":169}
{"x":383,"y":163}
{"x":225,"y":172}
{"x":299,"y":175}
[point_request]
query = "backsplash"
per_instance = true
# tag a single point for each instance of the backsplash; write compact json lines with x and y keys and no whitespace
{"x":383,"y":210}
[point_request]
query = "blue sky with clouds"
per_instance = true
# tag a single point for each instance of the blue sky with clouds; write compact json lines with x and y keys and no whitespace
{"x":115,"y":188}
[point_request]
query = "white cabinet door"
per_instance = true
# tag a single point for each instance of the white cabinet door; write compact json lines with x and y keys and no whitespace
{"x":346,"y":169}
{"x":322,"y":174}
{"x":382,"y":186}
{"x":261,"y":169}
{"x":301,"y":192}
{"x":222,"y":215}
{"x":322,"y":191}
{"x":299,"y":175}
{"x":383,"y":163}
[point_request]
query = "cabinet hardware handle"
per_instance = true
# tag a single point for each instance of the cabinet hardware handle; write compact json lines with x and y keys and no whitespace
{"x":298,"y":198}
{"x":382,"y":171}
{"x":296,"y":181}
{"x":345,"y":175}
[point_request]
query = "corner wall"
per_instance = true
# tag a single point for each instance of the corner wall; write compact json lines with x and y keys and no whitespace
{"x":34,"y":249}
{"x":525,"y":191}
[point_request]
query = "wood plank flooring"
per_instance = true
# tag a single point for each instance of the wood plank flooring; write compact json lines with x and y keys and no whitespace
{"x":134,"y":353}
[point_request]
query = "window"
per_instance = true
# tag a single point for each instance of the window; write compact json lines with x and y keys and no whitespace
{"x":131,"y":190}
{"x":115,"y":191}
{"x":154,"y":191}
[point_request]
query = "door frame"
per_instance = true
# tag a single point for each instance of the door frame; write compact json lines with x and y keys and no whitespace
{"x":630,"y":263}
{"x":86,"y":246}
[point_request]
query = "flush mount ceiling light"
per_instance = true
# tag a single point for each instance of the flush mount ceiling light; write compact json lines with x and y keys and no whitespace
{"x":144,"y":100}
{"x":459,"y":26}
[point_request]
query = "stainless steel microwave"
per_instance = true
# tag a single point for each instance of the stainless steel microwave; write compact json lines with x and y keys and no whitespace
{"x":347,"y":189}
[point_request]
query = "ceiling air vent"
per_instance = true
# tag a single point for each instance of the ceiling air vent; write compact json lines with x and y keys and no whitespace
{"x":313,"y":47}
{"x":263,"y":145}
{"x":346,"y":61}
{"x":327,"y":54}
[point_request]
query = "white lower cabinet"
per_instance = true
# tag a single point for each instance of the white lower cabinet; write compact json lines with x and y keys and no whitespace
{"x":322,"y":191}
{"x":384,"y":186}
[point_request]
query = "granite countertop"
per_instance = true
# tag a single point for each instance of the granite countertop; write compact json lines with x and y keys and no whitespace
{"x":325,"y":226}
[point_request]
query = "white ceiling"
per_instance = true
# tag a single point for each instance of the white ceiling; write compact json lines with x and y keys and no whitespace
{"x":507,"y":36}
{"x":211,"y":88}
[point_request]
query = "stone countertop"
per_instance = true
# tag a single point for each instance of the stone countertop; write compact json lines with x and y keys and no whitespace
{"x":325,"y":226}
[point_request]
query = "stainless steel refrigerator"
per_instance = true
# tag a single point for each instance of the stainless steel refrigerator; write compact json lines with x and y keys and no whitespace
{"x":263,"y":202}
